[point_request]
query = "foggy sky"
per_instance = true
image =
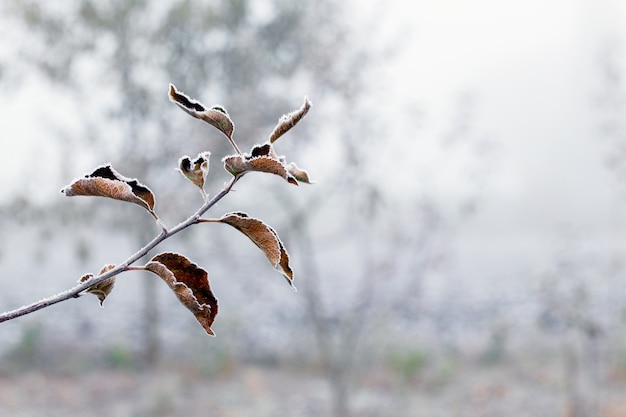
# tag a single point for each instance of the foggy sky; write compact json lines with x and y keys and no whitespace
{"x":529,"y":71}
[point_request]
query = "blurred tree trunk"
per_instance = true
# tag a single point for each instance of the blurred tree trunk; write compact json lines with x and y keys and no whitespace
{"x":337,"y":344}
{"x":150,"y":325}
{"x":336,"y":370}
{"x":389,"y":245}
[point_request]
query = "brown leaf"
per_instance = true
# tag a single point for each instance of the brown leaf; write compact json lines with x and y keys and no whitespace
{"x":289,"y":120}
{"x":272,"y":166}
{"x":299,"y":174}
{"x":106,"y":182}
{"x":284,"y":264}
{"x":265,"y":238}
{"x":262,"y":158}
{"x":258,"y":232}
{"x":197,"y":170}
{"x":264,"y":149}
{"x":104,"y":288}
{"x":215,"y":116}
{"x":235,"y":164}
{"x":190,"y":283}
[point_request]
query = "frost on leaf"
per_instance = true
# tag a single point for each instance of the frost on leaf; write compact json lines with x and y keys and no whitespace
{"x":241,"y":164}
{"x":265,"y":238}
{"x":190,"y":283}
{"x":262,"y":158}
{"x":106,"y":182}
{"x":289,"y":120}
{"x":215,"y":116}
{"x":197,"y":170}
{"x":299,"y":174}
{"x":103,"y":289}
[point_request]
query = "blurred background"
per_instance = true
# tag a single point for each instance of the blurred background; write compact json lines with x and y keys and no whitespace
{"x":461,"y":253}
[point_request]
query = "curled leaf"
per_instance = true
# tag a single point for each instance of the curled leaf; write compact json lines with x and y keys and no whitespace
{"x":258,"y":232}
{"x":285,"y":268}
{"x":289,"y":120}
{"x":299,"y":174}
{"x":215,"y":116}
{"x":106,"y":182}
{"x":241,"y":164}
{"x":196,"y":170}
{"x":235,"y":164}
{"x":262,"y":158}
{"x":190,"y":283}
{"x":265,"y":149}
{"x":265,"y":238}
{"x":104,"y":288}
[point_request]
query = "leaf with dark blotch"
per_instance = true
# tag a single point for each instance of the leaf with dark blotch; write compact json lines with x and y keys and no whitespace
{"x":190,"y":283}
{"x":272,"y":166}
{"x":196,"y":170}
{"x":262,"y":158}
{"x":215,"y":116}
{"x":265,"y":238}
{"x":104,"y":288}
{"x":265,"y":149}
{"x":239,"y":165}
{"x":187,"y":104}
{"x":289,"y":120}
{"x":106,"y":182}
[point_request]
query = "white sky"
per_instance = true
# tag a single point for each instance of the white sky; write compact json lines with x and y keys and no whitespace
{"x":532,"y":68}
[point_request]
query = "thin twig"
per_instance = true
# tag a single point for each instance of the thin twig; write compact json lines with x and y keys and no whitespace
{"x":124,"y":266}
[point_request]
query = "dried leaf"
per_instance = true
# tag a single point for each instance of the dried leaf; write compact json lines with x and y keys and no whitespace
{"x":258,"y":232}
{"x":215,"y":116}
{"x":262,"y":158}
{"x":235,"y":164}
{"x":265,"y":238}
{"x":104,"y":288}
{"x":289,"y":120}
{"x":106,"y":182}
{"x":284,"y":263}
{"x":190,"y":283}
{"x":265,"y":149}
{"x":299,"y":174}
{"x":272,"y":166}
{"x":197,"y":170}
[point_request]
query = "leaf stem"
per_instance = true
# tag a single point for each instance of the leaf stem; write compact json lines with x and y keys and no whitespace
{"x":232,"y":142}
{"x":75,"y":291}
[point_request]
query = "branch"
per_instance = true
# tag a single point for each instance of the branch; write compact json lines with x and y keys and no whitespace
{"x":76,"y":291}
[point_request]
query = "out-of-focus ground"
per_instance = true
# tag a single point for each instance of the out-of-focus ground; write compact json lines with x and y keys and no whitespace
{"x":519,"y":386}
